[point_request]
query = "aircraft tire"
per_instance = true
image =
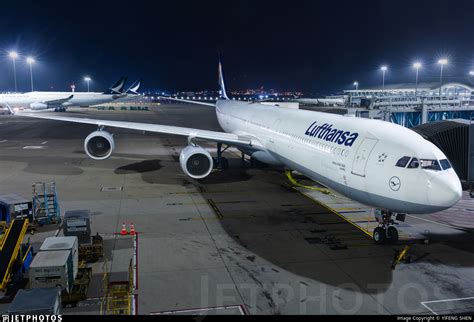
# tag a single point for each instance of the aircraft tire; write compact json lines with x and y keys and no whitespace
{"x":380,"y":236}
{"x":392,"y":233}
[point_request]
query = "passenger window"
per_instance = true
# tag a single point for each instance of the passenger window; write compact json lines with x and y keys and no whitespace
{"x":413,"y":164}
{"x":430,"y":164}
{"x":402,"y":163}
{"x":445,"y":164}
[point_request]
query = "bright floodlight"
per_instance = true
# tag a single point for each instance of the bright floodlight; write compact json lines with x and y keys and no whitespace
{"x":13,"y":54}
{"x":383,"y":68}
{"x":471,"y":73}
{"x":356,"y":83}
{"x":443,"y":61}
{"x":87,"y":79}
{"x":30,"y":60}
{"x":417,"y":65}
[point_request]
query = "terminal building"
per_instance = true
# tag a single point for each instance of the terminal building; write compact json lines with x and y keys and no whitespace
{"x":411,"y":106}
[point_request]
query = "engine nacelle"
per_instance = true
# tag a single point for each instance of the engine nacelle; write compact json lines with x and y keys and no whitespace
{"x":196,"y":162}
{"x":38,"y":106}
{"x":99,"y":145}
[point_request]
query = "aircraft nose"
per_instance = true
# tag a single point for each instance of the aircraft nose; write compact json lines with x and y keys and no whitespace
{"x":446,"y":190}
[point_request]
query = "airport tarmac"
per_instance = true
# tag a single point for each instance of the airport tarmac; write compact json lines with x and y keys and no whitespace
{"x":240,"y":241}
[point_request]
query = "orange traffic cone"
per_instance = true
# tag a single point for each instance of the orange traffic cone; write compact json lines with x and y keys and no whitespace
{"x":124,"y":230}
{"x":132,"y":229}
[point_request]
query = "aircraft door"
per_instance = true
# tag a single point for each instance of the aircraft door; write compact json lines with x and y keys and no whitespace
{"x":362,"y":156}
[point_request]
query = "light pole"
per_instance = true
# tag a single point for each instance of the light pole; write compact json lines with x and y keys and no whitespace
{"x":383,"y":69}
{"x":14,"y":55}
{"x":87,"y":79}
{"x":356,"y":85}
{"x":30,"y":60}
{"x":417,"y":66}
{"x":441,"y":62}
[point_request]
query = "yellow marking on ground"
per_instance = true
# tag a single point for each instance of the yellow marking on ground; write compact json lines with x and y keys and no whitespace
{"x":366,"y":232}
{"x":296,"y":183}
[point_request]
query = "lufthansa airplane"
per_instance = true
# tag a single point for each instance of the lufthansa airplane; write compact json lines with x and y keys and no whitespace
{"x":60,"y":101}
{"x":376,"y":163}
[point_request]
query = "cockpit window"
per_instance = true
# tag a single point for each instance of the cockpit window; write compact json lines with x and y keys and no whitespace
{"x":402,"y":163}
{"x":413,"y":164}
{"x":445,"y":164}
{"x":430,"y":164}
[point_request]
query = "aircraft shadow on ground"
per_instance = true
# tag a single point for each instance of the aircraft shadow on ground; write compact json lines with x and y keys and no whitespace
{"x":367,"y":265}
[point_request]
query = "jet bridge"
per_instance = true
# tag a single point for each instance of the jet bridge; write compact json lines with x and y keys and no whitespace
{"x":456,"y":139}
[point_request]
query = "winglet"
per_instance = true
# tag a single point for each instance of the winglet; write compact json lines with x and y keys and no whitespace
{"x":223,"y":92}
{"x":10,"y":108}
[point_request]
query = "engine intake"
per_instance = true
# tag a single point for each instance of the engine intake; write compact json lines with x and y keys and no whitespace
{"x":196,"y":162}
{"x":99,"y":145}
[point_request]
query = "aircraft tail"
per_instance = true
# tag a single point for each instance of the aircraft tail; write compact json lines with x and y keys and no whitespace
{"x":117,"y":88}
{"x":134,"y":88}
{"x":223,"y":93}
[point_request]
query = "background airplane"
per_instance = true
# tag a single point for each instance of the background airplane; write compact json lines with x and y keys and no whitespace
{"x":60,"y":101}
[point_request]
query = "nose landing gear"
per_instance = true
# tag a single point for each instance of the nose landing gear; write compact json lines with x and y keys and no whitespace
{"x":386,"y":232}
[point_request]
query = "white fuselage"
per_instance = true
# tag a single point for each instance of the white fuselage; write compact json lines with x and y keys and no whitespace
{"x":25,"y":100}
{"x":354,"y":156}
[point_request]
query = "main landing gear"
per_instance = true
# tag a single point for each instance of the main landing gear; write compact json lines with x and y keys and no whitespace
{"x":386,"y":232}
{"x":220,"y":162}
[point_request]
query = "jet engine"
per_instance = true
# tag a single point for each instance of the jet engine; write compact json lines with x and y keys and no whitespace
{"x":38,"y":106}
{"x":99,"y":145}
{"x":195,"y":162}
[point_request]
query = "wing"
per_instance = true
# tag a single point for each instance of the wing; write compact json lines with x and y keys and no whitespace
{"x":221,"y":137}
{"x":58,"y":101}
{"x":186,"y":101}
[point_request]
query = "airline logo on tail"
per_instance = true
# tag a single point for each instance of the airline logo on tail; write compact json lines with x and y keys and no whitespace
{"x":134,"y":88}
{"x":221,"y":82}
{"x":117,"y":88}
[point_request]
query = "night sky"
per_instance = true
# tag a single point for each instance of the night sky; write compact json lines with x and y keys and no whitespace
{"x":315,"y":46}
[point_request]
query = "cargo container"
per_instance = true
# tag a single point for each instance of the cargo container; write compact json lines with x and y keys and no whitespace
{"x":36,"y":301}
{"x":13,"y":206}
{"x":78,"y":223}
{"x":50,"y":269}
{"x":64,"y":243}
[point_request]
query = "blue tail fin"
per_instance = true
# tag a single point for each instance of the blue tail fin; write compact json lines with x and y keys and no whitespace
{"x":223,"y":92}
